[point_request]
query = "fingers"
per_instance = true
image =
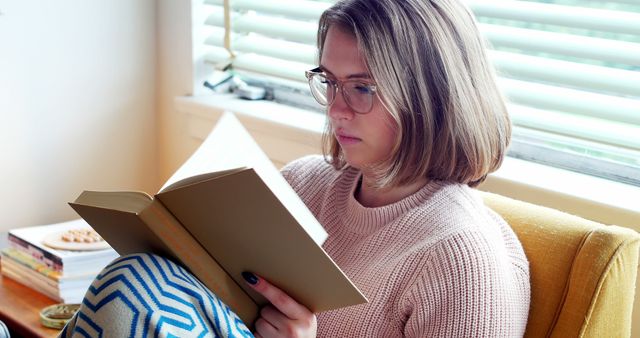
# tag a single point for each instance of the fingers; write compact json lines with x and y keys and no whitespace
{"x":265,"y":328}
{"x":280,"y":300}
{"x":284,"y":317}
{"x":273,"y":316}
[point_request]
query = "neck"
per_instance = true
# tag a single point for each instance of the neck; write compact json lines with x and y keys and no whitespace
{"x":370,"y":196}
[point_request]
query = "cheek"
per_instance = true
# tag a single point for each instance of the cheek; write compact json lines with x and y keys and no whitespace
{"x":389,"y":127}
{"x":390,"y":135}
{"x":387,"y":132}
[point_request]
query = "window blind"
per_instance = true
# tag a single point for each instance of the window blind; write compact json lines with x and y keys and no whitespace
{"x":271,"y":37}
{"x":571,"y":73}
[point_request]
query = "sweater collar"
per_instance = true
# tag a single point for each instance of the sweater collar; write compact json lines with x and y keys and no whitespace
{"x":364,"y":220}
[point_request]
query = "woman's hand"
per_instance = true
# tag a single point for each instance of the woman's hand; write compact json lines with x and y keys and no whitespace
{"x":284,"y":317}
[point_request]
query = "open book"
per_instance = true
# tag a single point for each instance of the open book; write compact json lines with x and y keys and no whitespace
{"x":218,"y":219}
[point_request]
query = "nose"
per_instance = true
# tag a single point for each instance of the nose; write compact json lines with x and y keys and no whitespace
{"x":339,"y":109}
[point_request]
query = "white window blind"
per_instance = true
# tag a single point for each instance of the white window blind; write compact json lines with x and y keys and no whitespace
{"x":569,"y":68}
{"x":272,"y":37}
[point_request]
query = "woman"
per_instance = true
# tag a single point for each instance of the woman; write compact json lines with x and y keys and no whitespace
{"x":415,"y":121}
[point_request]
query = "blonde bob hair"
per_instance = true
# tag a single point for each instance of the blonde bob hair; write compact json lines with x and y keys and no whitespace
{"x":433,"y":76}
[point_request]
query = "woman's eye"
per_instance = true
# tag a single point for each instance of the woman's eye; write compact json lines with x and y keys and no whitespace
{"x":327,"y":81}
{"x":363,"y":89}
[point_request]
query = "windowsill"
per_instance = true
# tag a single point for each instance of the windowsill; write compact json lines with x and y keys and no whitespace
{"x":591,"y":197}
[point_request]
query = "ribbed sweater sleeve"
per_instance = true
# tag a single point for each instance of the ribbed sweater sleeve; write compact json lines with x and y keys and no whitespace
{"x":461,"y":292}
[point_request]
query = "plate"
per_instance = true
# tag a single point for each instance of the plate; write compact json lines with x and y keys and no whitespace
{"x":76,"y":240}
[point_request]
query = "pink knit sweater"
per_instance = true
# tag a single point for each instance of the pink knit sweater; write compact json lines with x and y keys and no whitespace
{"x":435,"y":264}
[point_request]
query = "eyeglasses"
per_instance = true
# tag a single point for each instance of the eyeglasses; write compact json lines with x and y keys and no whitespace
{"x":357,"y":94}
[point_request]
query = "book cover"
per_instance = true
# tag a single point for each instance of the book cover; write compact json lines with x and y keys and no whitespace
{"x":226,"y":221}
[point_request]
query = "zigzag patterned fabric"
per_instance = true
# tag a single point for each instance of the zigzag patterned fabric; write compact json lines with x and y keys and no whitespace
{"x":4,"y":332}
{"x":145,"y":295}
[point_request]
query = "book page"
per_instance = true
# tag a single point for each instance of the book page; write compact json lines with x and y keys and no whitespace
{"x":230,"y":146}
{"x":200,"y":178}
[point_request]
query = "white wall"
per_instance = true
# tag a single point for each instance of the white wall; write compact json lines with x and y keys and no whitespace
{"x":175,"y":78}
{"x":77,"y":103}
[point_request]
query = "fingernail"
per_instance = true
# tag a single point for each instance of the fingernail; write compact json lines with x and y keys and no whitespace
{"x":250,"y":278}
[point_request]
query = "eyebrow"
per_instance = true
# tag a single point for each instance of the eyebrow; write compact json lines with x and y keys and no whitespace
{"x":350,"y":76}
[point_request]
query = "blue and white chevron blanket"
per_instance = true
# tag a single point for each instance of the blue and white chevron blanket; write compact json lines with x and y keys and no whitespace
{"x":4,"y":331}
{"x":145,"y":295}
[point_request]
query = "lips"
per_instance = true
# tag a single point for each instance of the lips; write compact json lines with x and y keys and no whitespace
{"x":345,"y":138}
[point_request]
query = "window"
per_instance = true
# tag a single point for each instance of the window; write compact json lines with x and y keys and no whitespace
{"x":571,"y":71}
{"x":569,"y":68}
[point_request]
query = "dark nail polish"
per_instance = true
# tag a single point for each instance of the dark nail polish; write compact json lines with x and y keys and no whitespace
{"x":250,"y":278}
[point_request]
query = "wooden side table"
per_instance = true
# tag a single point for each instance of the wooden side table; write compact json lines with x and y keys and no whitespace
{"x":20,"y":309}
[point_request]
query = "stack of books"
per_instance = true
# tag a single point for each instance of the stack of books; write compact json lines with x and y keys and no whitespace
{"x":61,"y":268}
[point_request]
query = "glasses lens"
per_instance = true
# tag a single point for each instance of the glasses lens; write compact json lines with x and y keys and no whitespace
{"x":319,"y":88}
{"x":358,"y":95}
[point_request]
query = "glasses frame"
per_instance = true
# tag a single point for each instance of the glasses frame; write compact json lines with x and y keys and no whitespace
{"x":338,"y":85}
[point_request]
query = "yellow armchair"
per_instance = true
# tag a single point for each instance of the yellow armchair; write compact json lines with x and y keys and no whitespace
{"x":583,"y":274}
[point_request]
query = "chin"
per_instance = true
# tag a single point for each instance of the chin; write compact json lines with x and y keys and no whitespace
{"x":357,"y":163}
{"x":361,"y":163}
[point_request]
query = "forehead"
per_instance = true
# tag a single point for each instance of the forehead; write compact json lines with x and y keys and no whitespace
{"x":341,"y":55}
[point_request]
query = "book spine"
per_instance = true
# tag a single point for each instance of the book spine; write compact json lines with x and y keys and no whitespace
{"x":29,"y":273}
{"x":30,"y":283}
{"x":50,"y":260}
{"x":31,"y":263}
